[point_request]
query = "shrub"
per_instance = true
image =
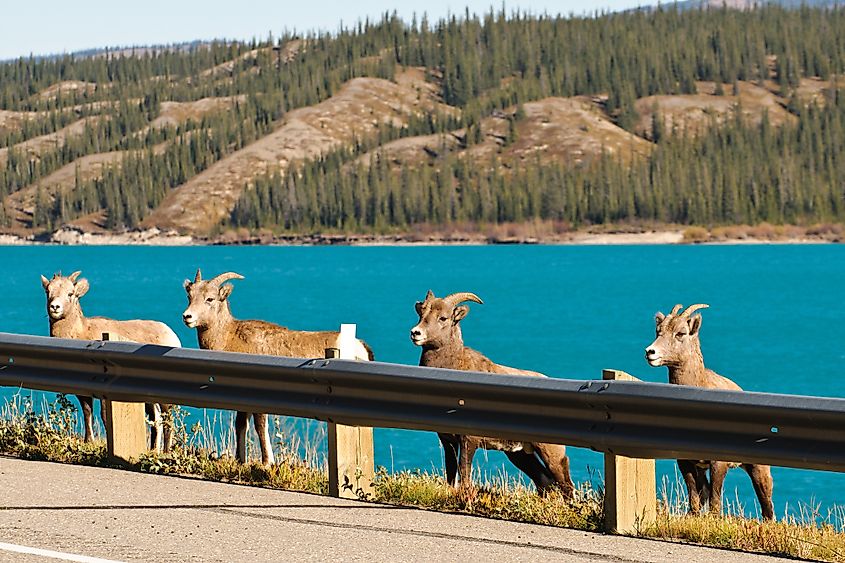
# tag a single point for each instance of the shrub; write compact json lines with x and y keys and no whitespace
{"x":695,"y":234}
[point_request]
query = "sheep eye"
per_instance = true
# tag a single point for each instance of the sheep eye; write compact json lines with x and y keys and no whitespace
{"x":680,"y":335}
{"x":444,"y":319}
{"x":209,"y":300}
{"x":70,"y":294}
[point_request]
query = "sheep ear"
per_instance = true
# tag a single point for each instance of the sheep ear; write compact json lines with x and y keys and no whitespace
{"x":694,"y":325}
{"x":80,"y":288}
{"x":659,"y":317}
{"x":187,"y":285}
{"x":459,"y":313}
{"x":45,"y":282}
{"x":225,"y":291}
{"x":418,"y":306}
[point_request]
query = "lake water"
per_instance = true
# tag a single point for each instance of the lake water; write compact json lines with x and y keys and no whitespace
{"x":774,"y":324}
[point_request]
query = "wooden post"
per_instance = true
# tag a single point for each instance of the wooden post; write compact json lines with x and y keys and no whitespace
{"x":126,"y":425}
{"x":351,"y":469}
{"x":630,"y":495}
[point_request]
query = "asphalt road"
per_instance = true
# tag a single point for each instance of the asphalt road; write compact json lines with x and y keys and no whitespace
{"x":85,"y":514}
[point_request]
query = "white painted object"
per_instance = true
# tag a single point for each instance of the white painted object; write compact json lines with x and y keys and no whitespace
{"x":350,"y":448}
{"x":350,"y":347}
{"x":48,"y":553}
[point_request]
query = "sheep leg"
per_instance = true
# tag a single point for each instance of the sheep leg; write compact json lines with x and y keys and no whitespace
{"x":703,"y":484}
{"x":467,"y":447}
{"x":241,"y":429}
{"x":451,"y":449}
{"x":261,"y":428}
{"x":104,"y":414}
{"x":466,"y":492}
{"x":761,"y":479}
{"x":153,"y":411}
{"x":167,"y":427}
{"x":690,"y":473}
{"x":87,"y":404}
{"x":529,"y":464}
{"x":718,"y":471}
{"x":557,"y":463}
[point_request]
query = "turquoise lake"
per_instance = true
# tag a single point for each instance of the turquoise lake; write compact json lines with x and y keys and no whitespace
{"x":774,"y":324}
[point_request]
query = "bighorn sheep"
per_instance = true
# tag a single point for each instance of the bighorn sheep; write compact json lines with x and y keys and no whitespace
{"x":677,"y":347}
{"x":208,"y":312}
{"x":67,"y":321}
{"x":439,"y":334}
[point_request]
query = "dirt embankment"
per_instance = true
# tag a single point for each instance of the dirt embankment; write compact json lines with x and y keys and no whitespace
{"x":22,"y":203}
{"x":37,"y":146}
{"x":696,"y":113}
{"x":569,"y":130}
{"x":355,"y":111}
{"x":67,"y":87}
{"x":71,"y":235}
{"x":173,"y":114}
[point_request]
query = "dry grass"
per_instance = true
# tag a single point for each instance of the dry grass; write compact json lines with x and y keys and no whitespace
{"x":791,"y":537}
{"x":766,"y":232}
{"x":831,"y":231}
{"x":548,"y":232}
{"x":49,"y":433}
{"x":290,"y":474}
{"x":696,"y":234}
{"x":802,"y":533}
{"x":530,"y":230}
{"x":46,"y":436}
{"x":501,"y":497}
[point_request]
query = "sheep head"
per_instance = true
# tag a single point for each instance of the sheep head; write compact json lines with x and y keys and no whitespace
{"x":439,"y":318}
{"x":207,"y":299}
{"x":676,"y":339}
{"x":63,"y":294}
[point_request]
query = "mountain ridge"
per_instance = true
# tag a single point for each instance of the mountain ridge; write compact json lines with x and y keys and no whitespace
{"x":490,"y":119}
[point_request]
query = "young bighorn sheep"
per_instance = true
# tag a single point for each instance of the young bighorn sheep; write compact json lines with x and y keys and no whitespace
{"x":67,"y":321}
{"x":439,"y":334}
{"x":208,"y":312}
{"x":677,"y":347}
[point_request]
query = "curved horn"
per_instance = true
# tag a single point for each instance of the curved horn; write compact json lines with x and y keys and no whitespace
{"x":693,"y":308}
{"x":457,"y":298}
{"x":198,"y":277}
{"x":675,"y":309}
{"x":74,"y":275}
{"x":225,"y":277}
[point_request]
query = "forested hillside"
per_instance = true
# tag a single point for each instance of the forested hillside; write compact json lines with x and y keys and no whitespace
{"x":697,"y":117}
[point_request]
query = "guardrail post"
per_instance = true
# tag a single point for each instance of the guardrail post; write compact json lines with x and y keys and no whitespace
{"x":351,"y":470}
{"x":630,"y":495}
{"x":126,"y":425}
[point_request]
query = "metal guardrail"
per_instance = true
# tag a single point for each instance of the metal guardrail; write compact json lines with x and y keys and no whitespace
{"x":635,"y":419}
